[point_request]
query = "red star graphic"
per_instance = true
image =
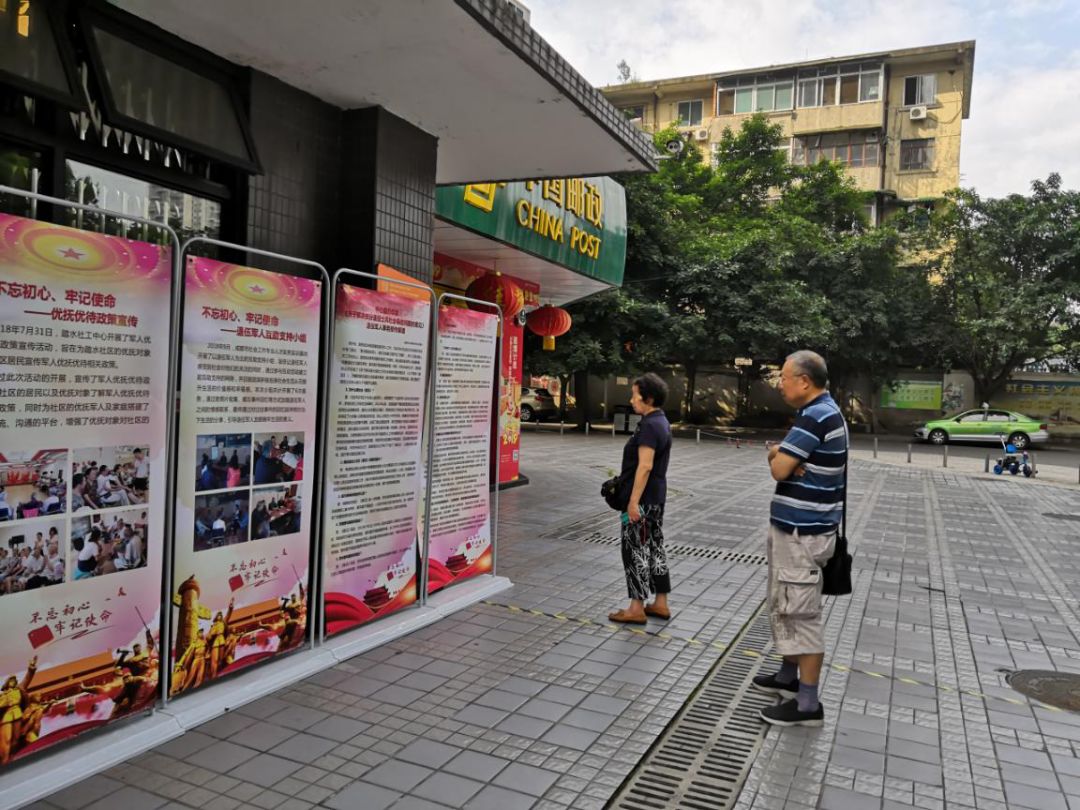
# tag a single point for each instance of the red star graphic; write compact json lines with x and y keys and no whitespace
{"x":71,"y":253}
{"x":255,"y":288}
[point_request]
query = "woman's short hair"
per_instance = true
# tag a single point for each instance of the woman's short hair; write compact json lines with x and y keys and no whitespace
{"x":652,"y":389}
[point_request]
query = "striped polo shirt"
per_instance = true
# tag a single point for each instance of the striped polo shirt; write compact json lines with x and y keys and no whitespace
{"x":813,"y":503}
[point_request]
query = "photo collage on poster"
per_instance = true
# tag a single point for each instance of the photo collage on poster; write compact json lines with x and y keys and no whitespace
{"x":64,"y":521}
{"x":247,"y":487}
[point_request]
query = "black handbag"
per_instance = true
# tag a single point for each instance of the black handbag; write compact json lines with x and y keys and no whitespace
{"x":836,"y":575}
{"x":616,"y":491}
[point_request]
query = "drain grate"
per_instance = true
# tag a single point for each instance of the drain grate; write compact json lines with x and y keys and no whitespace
{"x":683,"y":549}
{"x":703,"y":757}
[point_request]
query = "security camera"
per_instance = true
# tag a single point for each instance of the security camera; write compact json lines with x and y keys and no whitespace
{"x":674,"y":146}
{"x":521,"y":318}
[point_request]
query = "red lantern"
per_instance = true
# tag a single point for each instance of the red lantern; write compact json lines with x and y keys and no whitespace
{"x":498,"y":289}
{"x":549,"y":322}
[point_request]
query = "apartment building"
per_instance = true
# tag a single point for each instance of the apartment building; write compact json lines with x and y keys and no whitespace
{"x":893,"y":118}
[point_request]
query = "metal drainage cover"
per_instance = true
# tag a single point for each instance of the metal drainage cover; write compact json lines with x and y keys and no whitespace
{"x":703,"y":757}
{"x":682,"y":549}
{"x":1061,"y":689}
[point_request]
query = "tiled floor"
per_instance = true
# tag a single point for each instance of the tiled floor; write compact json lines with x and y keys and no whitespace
{"x":499,"y":708}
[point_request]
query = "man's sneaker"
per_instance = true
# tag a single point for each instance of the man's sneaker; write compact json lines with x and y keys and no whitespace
{"x":788,"y":714}
{"x":770,"y":685}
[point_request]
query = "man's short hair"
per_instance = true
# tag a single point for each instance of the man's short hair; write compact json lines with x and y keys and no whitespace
{"x":651,"y":387}
{"x":812,"y":365}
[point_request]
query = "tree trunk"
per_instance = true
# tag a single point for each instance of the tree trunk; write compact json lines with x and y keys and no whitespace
{"x":581,"y":397}
{"x":691,"y":384}
{"x":564,"y":392}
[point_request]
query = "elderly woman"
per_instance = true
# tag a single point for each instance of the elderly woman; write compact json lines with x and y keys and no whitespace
{"x":647,"y":454}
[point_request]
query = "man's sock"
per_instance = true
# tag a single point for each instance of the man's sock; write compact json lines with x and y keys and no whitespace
{"x":807,"y":698}
{"x":789,"y":672}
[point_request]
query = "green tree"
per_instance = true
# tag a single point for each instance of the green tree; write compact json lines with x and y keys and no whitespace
{"x":1007,"y":276}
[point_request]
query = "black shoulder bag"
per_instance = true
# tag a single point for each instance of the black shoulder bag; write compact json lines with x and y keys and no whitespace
{"x":836,"y":575}
{"x":616,"y":491}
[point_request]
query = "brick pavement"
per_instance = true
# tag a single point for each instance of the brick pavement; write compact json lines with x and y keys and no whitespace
{"x":957,"y":578}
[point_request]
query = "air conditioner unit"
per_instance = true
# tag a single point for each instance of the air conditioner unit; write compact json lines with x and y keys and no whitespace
{"x":917,"y":113}
{"x":637,"y":122}
{"x":701,"y":135}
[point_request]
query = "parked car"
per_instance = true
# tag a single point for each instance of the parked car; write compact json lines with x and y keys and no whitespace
{"x":537,"y":404}
{"x":985,"y":425}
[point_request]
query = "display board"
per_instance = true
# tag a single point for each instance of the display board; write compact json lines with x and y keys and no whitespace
{"x":460,"y":514}
{"x":920,"y":395}
{"x":374,"y":472}
{"x":84,"y":357}
{"x":245,"y":463}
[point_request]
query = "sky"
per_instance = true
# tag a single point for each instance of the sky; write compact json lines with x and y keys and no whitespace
{"x":1025,"y":105}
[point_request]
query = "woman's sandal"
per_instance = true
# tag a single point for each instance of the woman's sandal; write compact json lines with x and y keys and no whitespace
{"x":657,"y":614}
{"x":622,"y":617}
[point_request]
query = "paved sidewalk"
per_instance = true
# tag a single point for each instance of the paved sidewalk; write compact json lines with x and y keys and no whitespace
{"x":957,"y":578}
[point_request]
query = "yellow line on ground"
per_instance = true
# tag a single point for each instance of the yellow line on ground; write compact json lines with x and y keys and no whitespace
{"x":694,"y":642}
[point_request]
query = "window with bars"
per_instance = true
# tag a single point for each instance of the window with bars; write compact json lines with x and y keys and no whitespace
{"x":854,"y":149}
{"x":917,"y":153}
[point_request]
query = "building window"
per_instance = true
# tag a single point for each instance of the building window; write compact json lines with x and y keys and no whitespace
{"x":917,"y":153}
{"x":920,"y":89}
{"x":812,"y":93}
{"x":870,"y":86}
{"x":121,"y":194}
{"x":634,"y":111}
{"x":689,"y":112}
{"x":760,"y":94}
{"x":32,"y":55}
{"x":853,"y":149}
{"x":21,"y":169}
{"x":843,"y":84}
{"x":150,"y":90}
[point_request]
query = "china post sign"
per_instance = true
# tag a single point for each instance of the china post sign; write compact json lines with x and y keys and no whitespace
{"x":579,"y":222}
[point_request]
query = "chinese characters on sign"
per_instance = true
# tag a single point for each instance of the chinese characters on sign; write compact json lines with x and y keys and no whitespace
{"x":374,"y":467}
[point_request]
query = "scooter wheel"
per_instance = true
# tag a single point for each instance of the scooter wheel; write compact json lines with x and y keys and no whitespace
{"x":1014,"y":469}
{"x":1027,"y":471}
{"x":997,"y":469}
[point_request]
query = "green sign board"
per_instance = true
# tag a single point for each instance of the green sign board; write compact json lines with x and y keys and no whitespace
{"x":920,"y":395}
{"x":578,"y":223}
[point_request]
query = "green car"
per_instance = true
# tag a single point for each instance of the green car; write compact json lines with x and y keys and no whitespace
{"x":985,"y":426}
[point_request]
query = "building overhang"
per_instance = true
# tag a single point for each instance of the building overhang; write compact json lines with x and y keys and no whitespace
{"x":502,"y":103}
{"x":566,"y":235}
{"x":558,"y":285}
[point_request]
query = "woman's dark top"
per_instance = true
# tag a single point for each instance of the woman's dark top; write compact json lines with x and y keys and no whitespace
{"x":653,"y":431}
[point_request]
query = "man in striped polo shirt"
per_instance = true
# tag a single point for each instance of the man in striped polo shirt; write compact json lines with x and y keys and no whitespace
{"x":809,"y":467}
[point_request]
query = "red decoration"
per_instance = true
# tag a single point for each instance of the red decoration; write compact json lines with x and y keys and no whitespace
{"x":549,"y":322}
{"x":498,"y":289}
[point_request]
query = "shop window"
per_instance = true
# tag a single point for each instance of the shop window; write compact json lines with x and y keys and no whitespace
{"x":21,"y":169}
{"x":32,"y":56}
{"x":123,"y":196}
{"x":917,"y":153}
{"x":147,"y":92}
{"x":920,"y":89}
{"x":689,"y":112}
